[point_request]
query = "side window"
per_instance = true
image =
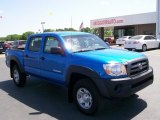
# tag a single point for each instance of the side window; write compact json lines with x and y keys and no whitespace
{"x":147,"y":38}
{"x":152,"y":37}
{"x":50,"y":42}
{"x":34,"y":44}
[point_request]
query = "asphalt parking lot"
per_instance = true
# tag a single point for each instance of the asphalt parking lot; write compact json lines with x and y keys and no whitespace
{"x":40,"y":100}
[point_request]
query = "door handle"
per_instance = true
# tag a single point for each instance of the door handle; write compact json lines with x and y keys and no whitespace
{"x":27,"y":56}
{"x":42,"y":58}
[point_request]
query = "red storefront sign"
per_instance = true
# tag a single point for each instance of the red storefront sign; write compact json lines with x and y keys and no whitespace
{"x":108,"y":22}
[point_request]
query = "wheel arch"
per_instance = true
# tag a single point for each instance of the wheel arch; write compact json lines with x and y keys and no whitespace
{"x":14,"y":61}
{"x":76,"y":73}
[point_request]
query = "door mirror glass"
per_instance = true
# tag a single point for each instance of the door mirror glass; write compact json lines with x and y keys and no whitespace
{"x":56,"y":50}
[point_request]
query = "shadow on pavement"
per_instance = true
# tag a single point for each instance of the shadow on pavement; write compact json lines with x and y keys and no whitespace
{"x":52,"y":100}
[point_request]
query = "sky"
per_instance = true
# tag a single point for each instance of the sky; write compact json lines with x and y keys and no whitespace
{"x":19,"y":16}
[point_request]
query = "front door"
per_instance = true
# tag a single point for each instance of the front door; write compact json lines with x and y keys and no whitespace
{"x":149,"y":42}
{"x":53,"y":65}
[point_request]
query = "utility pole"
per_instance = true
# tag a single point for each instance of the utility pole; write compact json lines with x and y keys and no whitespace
{"x":42,"y":26}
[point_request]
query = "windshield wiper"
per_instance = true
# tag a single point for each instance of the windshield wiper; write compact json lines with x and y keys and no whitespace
{"x":100,"y":48}
{"x":82,"y":51}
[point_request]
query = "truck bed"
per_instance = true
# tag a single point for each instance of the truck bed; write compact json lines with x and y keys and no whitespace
{"x":14,"y":53}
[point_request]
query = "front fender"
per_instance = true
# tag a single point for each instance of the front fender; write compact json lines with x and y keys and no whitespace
{"x":99,"y":83}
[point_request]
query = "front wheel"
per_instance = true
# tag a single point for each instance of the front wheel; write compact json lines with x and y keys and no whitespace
{"x":18,"y":78}
{"x":86,"y":96}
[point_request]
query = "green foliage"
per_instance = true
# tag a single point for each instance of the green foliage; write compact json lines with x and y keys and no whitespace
{"x":95,"y":31}
{"x":13,"y":37}
{"x":108,"y":32}
{"x":87,"y":29}
{"x":49,"y":30}
{"x":26,"y":35}
{"x":2,"y":39}
{"x":66,"y":29}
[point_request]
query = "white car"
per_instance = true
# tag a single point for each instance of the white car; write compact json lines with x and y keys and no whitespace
{"x":120,"y":41}
{"x":142,"y":42}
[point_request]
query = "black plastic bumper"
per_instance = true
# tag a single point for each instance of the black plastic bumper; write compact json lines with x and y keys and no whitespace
{"x":2,"y":50}
{"x":127,"y":86}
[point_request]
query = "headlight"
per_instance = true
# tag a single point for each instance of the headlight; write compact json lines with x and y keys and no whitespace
{"x":115,"y":69}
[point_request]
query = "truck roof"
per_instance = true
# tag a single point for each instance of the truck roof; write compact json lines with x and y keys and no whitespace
{"x":62,"y":33}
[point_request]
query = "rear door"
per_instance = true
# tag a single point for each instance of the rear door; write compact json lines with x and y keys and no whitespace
{"x":53,"y":65}
{"x":32,"y":56}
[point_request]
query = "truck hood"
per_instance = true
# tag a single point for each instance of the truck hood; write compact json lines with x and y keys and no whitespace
{"x":108,"y":56}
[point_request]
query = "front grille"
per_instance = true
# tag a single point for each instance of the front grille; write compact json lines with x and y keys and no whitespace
{"x":137,"y":67}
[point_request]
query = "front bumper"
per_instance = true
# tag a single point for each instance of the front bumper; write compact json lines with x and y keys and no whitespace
{"x":125,"y":87}
{"x":2,"y":50}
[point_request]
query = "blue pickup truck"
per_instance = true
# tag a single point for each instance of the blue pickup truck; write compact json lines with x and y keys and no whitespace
{"x":84,"y":64}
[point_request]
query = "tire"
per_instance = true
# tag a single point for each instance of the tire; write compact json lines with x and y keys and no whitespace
{"x":86,"y":97}
{"x":19,"y":78}
{"x":144,"y":48}
{"x":128,"y":49}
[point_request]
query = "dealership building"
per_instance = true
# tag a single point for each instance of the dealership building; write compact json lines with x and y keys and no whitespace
{"x":129,"y":25}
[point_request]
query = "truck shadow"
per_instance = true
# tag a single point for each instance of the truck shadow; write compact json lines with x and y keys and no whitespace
{"x":52,"y":100}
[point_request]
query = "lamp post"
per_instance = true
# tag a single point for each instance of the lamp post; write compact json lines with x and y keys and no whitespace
{"x":42,"y":26}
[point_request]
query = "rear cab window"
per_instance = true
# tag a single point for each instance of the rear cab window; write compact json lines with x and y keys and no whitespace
{"x":34,"y":44}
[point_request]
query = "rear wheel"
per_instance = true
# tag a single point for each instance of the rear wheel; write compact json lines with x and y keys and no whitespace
{"x":144,"y":48}
{"x":86,"y":96}
{"x":18,"y":78}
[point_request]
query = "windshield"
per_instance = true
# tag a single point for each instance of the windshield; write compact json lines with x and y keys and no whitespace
{"x":136,"y":37}
{"x":82,"y":43}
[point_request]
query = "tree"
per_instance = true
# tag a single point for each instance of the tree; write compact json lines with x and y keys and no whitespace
{"x":87,"y":29}
{"x":49,"y":30}
{"x":59,"y":29}
{"x":2,"y":39}
{"x":13,"y":37}
{"x":26,"y":35}
{"x":66,"y":29}
{"x":95,"y":31}
{"x":108,"y":32}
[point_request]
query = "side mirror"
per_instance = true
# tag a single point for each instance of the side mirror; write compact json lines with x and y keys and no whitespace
{"x":56,"y":50}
